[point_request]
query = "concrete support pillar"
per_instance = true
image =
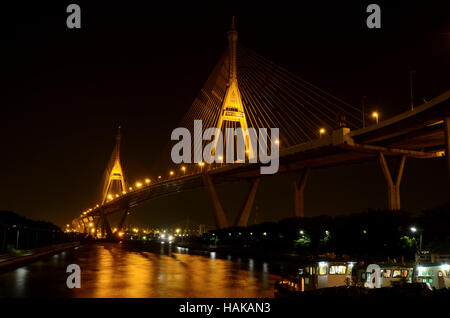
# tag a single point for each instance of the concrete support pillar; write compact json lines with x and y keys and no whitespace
{"x":221,"y":219}
{"x":85,"y":227}
{"x":242,"y":218}
{"x":299,"y":200}
{"x":447,"y":142}
{"x":106,"y":228}
{"x":97,"y":226}
{"x":393,"y":188}
{"x":122,"y":220}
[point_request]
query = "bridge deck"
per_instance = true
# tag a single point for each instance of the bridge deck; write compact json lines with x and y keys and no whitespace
{"x":418,"y":133}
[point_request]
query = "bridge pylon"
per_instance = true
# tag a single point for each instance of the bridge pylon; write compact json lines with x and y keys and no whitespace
{"x":232,"y":109}
{"x":114,"y":185}
{"x":114,"y":180}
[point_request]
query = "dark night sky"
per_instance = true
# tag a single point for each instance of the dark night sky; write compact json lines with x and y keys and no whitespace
{"x":141,"y":67}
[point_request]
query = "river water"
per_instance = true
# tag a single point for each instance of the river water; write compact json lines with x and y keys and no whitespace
{"x":116,"y":270}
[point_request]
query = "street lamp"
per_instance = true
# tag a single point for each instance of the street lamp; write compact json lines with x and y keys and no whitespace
{"x":171,"y":173}
{"x":184,"y":169}
{"x":147,"y":180}
{"x":413,"y":229}
{"x":375,"y":115}
{"x":322,"y":131}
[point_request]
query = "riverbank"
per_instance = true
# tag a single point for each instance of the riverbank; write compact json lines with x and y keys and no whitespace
{"x":9,"y":261}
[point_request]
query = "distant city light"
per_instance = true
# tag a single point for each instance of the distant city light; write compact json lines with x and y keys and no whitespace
{"x":413,"y":229}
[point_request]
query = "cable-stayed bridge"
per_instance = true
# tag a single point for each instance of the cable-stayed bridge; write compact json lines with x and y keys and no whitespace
{"x":316,"y":130}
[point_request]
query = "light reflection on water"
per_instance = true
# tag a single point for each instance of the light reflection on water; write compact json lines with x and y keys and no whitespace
{"x":112,"y":270}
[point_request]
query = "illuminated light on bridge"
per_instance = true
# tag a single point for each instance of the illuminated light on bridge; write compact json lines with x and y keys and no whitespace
{"x":375,"y":115}
{"x":171,"y":173}
{"x":147,"y":181}
{"x":322,"y":131}
{"x":138,"y":184}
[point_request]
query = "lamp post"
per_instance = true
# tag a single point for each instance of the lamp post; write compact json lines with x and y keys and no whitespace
{"x":375,"y":115}
{"x":415,"y":230}
{"x":322,"y":132}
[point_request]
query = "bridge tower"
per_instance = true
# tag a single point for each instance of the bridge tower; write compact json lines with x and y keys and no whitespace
{"x":232,"y":109}
{"x":114,"y":180}
{"x":114,"y":184}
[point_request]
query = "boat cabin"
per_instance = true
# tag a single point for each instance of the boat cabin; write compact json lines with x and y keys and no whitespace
{"x":436,"y":275}
{"x":325,"y":274}
{"x":385,"y":275}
